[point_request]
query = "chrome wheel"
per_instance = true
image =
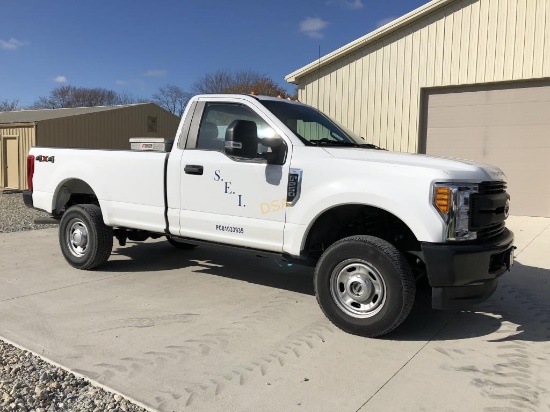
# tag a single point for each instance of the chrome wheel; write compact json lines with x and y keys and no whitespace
{"x":77,"y":236}
{"x":358,"y":288}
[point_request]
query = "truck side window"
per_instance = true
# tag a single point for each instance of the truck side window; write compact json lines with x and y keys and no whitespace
{"x":218,"y":116}
{"x":208,"y":137}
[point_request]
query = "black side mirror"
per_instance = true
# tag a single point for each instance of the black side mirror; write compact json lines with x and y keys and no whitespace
{"x":241,"y":139}
{"x":272,"y":142}
{"x":277,"y":145}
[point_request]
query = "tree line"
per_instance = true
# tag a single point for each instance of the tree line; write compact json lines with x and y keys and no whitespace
{"x":171,"y":97}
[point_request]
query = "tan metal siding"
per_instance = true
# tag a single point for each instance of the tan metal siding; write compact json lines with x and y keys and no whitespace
{"x":501,"y":33}
{"x":359,"y":86}
{"x":105,"y":130}
{"x":466,"y":42}
{"x":413,"y":103}
{"x":371,"y":95}
{"x":406,"y":98}
{"x":26,"y":139}
{"x":540,"y":20}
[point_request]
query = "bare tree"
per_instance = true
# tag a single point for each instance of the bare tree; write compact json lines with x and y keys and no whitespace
{"x":172,"y":98}
{"x":9,"y":106}
{"x":215,"y":82}
{"x":245,"y":81}
{"x":71,"y":96}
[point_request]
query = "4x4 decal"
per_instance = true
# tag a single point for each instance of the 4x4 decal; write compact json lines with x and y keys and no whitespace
{"x":50,"y":159}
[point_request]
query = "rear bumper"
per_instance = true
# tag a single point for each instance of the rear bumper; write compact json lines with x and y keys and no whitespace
{"x":27,"y":198}
{"x":461,"y":275}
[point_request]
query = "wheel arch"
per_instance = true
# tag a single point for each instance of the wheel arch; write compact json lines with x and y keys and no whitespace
{"x":72,"y":191}
{"x":343,"y":215}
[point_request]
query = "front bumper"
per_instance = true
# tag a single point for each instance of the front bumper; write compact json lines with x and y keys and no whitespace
{"x":464,"y":274}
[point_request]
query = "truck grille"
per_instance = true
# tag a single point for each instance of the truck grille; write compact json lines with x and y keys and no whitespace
{"x":489,"y":188}
{"x":491,"y":231}
{"x":487,"y":209}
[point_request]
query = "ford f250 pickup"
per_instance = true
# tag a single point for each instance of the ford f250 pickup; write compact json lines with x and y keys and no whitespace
{"x":279,"y":178}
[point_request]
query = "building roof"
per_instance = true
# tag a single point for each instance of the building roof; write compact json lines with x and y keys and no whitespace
{"x":372,"y":37}
{"x":31,"y":116}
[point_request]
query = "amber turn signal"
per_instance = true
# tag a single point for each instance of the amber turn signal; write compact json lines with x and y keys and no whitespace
{"x":443,"y":199}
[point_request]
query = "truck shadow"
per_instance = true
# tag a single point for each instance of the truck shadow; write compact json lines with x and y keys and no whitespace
{"x":215,"y":261}
{"x":514,"y":312}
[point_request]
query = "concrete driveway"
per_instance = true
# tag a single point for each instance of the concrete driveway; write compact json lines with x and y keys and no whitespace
{"x":211,"y":329}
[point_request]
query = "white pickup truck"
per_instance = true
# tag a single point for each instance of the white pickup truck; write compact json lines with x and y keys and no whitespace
{"x":279,"y":178}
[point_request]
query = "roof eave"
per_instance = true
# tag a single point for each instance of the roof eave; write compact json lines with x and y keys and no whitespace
{"x":17,"y":124}
{"x":66,"y":112}
{"x":367,"y":39}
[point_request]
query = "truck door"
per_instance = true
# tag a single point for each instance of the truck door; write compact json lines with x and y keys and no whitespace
{"x":231,"y":200}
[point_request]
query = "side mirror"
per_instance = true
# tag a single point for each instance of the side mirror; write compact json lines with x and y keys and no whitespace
{"x":241,"y":139}
{"x":272,"y":142}
{"x":278,"y":148}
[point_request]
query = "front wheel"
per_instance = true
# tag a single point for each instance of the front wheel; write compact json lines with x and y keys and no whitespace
{"x":364,"y":285}
{"x":86,"y":242}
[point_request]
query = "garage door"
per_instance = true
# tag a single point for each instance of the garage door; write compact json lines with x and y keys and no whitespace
{"x":507,"y":126}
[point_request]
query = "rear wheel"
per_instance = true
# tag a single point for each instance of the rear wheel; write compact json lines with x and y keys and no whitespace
{"x":86,"y":242}
{"x":364,"y":285}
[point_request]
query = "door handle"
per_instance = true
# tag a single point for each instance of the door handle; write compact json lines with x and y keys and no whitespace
{"x":193,"y":169}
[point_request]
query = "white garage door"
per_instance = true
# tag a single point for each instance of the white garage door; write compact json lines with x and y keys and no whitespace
{"x":507,"y":126}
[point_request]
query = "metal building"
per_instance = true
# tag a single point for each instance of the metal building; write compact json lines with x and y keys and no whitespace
{"x":458,"y":78}
{"x":106,"y":127}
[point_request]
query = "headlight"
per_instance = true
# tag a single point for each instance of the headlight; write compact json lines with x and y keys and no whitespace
{"x":452,"y":201}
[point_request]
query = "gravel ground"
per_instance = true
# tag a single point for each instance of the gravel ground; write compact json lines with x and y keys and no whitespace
{"x":28,"y":383}
{"x":14,"y":216}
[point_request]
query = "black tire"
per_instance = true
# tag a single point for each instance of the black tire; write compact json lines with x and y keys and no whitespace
{"x":178,"y":244}
{"x":364,"y":286}
{"x":85,"y":241}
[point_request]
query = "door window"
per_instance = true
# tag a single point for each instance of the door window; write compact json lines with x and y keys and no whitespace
{"x":216,"y":119}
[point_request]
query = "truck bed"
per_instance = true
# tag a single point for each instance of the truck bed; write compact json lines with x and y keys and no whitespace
{"x":128,"y":184}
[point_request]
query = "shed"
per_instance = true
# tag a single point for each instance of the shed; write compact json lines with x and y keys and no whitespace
{"x":456,"y":78}
{"x":105,"y":127}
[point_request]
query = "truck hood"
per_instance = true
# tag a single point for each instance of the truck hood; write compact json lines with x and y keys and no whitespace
{"x":455,"y":168}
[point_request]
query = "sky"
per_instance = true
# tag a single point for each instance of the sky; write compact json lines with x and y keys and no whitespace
{"x":137,"y":46}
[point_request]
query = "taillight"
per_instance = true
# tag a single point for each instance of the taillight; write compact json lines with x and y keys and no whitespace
{"x":30,"y":171}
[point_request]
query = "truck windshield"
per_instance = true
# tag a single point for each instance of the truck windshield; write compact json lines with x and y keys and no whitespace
{"x":311,"y":126}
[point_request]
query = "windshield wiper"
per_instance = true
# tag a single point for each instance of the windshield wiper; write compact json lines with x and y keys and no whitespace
{"x":326,"y":142}
{"x":370,"y":146}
